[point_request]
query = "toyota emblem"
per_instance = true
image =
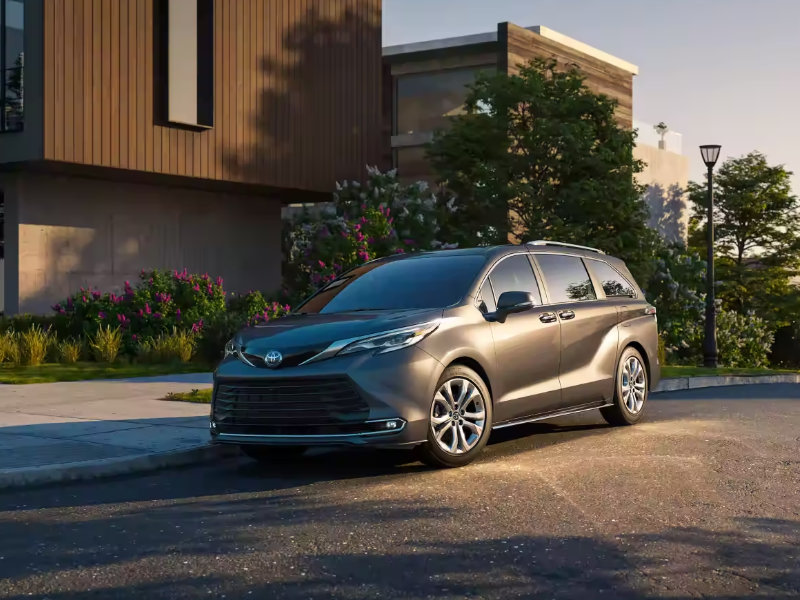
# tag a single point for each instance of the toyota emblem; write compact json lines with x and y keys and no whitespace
{"x":273,"y":359}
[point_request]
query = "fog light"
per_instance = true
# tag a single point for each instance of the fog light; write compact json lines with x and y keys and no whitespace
{"x":213,"y":427}
{"x":391,"y":424}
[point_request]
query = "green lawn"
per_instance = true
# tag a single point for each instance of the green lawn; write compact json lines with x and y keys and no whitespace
{"x":51,"y":372}
{"x":668,"y":371}
{"x":196,"y":396}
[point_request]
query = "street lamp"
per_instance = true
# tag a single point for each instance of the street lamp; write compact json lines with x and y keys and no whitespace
{"x":710,"y":154}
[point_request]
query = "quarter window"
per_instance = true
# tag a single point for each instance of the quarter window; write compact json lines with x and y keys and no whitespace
{"x":614,"y":284}
{"x":12,"y":64}
{"x":515,"y":274}
{"x":566,"y":277}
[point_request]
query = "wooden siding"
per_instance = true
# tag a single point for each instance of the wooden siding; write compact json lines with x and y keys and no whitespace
{"x":297,"y":91}
{"x":518,"y":46}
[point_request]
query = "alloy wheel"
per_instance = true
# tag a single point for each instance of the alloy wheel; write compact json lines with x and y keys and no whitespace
{"x":634,"y":385}
{"x":458,"y":415}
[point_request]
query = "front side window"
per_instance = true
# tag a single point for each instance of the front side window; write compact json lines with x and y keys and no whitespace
{"x":614,"y":284}
{"x":12,"y":63}
{"x":428,"y":281}
{"x":515,"y":274}
{"x":566,"y":278}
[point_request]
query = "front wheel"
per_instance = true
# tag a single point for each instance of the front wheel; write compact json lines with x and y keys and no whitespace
{"x":630,"y":392}
{"x":460,"y":419}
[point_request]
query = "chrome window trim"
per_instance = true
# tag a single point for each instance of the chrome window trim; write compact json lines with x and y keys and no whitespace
{"x":526,"y":254}
{"x":625,"y":279}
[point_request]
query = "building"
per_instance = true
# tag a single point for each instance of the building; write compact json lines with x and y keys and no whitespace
{"x":169,"y":133}
{"x":427,"y":80}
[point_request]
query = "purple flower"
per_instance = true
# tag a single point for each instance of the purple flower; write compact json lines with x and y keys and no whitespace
{"x":96,"y":294}
{"x":219,"y":281}
{"x":134,"y":337}
{"x":84,"y":299}
{"x":359,"y":237}
{"x":69,"y":302}
{"x":147,"y":308}
{"x":157,"y":315}
{"x":344,"y":233}
{"x":205,"y":277}
{"x":101,"y":314}
{"x":178,"y":315}
{"x":56,"y":307}
{"x":321,"y":264}
{"x":399,"y":251}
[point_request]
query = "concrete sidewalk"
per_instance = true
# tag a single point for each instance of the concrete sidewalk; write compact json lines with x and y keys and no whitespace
{"x":62,"y":431}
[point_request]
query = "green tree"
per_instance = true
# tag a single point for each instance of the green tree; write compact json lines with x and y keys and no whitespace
{"x":757,"y":245}
{"x":539,"y":155}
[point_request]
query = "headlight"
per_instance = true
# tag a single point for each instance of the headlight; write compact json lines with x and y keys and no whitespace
{"x":230,"y":348}
{"x":391,"y":340}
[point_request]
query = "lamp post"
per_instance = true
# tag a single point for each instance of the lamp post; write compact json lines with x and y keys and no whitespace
{"x":710,"y":154}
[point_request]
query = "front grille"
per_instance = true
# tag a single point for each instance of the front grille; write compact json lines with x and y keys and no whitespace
{"x":289,"y":406}
{"x":291,"y":360}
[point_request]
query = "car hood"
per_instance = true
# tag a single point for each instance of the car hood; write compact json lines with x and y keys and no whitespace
{"x":301,"y":336}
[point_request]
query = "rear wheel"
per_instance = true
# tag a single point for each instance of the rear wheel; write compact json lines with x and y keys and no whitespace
{"x":460,"y":419}
{"x":630,"y":392}
{"x":272,"y":454}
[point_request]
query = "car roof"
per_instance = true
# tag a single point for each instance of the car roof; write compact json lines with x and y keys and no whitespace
{"x":497,"y":251}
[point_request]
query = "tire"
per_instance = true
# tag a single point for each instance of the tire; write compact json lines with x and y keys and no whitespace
{"x":447,"y":427}
{"x":629,"y":401}
{"x":272,"y":454}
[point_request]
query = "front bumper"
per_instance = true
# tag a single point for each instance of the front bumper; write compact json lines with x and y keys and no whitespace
{"x":394,"y":390}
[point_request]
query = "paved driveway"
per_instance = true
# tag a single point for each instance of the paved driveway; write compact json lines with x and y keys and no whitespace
{"x":702,"y":500}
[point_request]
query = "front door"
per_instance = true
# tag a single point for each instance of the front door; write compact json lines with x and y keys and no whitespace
{"x":589,"y":333}
{"x":527,"y":345}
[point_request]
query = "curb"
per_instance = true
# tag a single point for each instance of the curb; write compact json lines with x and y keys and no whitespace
{"x":108,"y":467}
{"x":692,"y":383}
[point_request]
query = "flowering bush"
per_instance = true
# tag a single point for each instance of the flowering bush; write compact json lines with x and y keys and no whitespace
{"x":742,"y":341}
{"x":364,"y":222}
{"x":163,"y":303}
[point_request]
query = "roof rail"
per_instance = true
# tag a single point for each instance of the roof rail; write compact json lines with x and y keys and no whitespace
{"x":563,"y":245}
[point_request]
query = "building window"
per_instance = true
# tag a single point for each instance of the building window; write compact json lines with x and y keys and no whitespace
{"x":425,"y":101}
{"x":12,"y":63}
{"x":185,"y":31}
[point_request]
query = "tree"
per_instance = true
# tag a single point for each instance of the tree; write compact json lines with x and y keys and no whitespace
{"x":757,"y":245}
{"x":539,"y":155}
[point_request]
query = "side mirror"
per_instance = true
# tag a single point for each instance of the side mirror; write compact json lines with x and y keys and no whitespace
{"x":511,"y":302}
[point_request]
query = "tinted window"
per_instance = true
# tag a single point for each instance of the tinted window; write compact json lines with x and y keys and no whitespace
{"x":419,"y":282}
{"x":613,"y":283}
{"x":515,"y":274}
{"x":566,"y":277}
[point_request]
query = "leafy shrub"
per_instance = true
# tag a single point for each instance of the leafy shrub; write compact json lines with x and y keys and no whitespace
{"x":786,"y":348}
{"x":69,"y":351}
{"x":33,"y":345}
{"x":166,"y":348}
{"x":106,"y":344}
{"x":9,"y":347}
{"x":377,"y":219}
{"x":742,"y":341}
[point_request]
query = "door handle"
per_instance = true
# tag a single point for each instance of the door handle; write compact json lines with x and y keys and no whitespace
{"x":567,"y":315}
{"x":547,"y":317}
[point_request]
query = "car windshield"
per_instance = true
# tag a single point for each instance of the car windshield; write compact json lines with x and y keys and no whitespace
{"x":421,"y":282}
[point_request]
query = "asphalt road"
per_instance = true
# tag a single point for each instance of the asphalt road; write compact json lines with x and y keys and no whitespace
{"x":702,"y":500}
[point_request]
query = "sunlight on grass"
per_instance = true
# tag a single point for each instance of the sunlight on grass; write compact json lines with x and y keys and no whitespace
{"x":80,"y":371}
{"x":195,"y":396}
{"x":681,"y":371}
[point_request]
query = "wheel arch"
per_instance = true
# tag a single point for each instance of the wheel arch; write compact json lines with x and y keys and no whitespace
{"x":476,"y":366}
{"x":640,"y":349}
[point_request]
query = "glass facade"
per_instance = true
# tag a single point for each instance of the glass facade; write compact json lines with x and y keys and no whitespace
{"x":425,"y":101}
{"x":12,"y":65}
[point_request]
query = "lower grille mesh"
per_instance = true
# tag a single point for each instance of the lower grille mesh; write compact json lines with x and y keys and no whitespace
{"x":289,"y":406}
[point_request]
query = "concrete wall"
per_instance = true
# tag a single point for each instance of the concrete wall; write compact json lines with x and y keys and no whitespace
{"x":70,"y":232}
{"x":665,"y":175}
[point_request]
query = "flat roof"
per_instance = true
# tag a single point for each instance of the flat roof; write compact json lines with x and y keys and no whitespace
{"x":486,"y":38}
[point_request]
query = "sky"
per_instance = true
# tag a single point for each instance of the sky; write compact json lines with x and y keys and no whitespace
{"x":717,"y":71}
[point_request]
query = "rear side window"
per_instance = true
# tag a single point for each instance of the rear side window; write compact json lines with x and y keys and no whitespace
{"x":515,"y":274}
{"x":566,"y":277}
{"x":614,"y":284}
